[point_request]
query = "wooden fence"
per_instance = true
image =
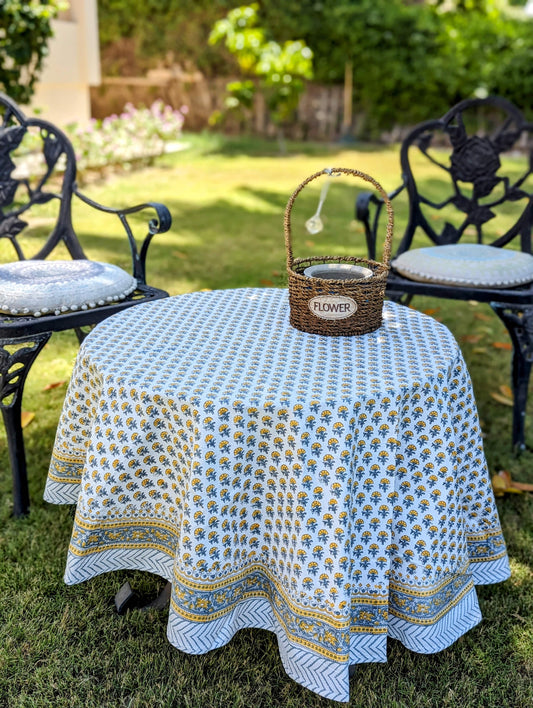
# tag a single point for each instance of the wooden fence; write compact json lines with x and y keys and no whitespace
{"x":319,"y":115}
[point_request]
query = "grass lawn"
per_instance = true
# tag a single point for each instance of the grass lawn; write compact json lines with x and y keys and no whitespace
{"x":65,"y":646}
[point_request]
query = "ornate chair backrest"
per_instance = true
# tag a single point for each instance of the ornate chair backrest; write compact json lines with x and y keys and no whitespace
{"x":489,"y":199}
{"x":37,"y":172}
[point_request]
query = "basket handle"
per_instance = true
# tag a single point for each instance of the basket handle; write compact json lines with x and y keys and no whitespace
{"x":339,"y":170}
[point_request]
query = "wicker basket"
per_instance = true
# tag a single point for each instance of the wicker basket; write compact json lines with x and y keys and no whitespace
{"x":337,"y":307}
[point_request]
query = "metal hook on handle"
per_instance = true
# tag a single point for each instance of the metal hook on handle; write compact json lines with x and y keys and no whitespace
{"x":314,"y":225}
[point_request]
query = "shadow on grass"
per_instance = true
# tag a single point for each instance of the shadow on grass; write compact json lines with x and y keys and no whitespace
{"x":234,"y":146}
{"x":238,"y":243}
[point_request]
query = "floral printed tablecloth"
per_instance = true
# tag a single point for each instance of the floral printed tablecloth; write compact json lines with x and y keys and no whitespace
{"x":331,"y":490}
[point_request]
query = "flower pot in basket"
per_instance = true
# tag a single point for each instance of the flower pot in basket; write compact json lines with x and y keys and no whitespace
{"x":337,"y":295}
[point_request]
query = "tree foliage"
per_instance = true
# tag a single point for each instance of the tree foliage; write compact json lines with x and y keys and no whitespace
{"x":280,"y":69}
{"x":25,"y":29}
{"x":161,"y":32}
{"x":411,"y":59}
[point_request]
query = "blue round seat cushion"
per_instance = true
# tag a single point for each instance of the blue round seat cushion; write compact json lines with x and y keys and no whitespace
{"x":468,"y":265}
{"x":40,"y":287}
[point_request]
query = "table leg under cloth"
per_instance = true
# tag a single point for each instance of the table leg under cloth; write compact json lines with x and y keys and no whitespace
{"x":334,"y":526}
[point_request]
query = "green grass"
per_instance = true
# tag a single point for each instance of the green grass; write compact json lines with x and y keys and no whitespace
{"x":65,"y":646}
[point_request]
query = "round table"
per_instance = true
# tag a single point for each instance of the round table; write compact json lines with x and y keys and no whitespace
{"x":332,"y":490}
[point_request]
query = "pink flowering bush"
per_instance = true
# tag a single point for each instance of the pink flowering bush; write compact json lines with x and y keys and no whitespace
{"x":136,"y":135}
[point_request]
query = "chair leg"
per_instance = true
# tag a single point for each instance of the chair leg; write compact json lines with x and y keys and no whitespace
{"x":16,"y":358}
{"x":17,"y":459}
{"x":81,"y":334}
{"x":401,"y":299}
{"x":519,"y":324}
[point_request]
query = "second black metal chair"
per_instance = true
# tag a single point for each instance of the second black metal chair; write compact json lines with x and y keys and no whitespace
{"x":479,"y":234}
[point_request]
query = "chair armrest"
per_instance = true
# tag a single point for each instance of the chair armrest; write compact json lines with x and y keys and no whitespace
{"x":363,"y":214}
{"x":156,"y":225}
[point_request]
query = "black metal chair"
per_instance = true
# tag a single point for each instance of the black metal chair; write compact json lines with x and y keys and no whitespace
{"x":483,"y":196}
{"x":25,"y":330}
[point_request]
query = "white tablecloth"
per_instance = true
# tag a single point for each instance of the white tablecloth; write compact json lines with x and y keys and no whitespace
{"x":332,"y":490}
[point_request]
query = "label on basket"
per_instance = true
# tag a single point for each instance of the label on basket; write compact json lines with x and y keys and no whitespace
{"x":332,"y":307}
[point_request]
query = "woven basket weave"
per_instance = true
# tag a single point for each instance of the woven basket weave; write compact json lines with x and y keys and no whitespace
{"x":337,"y":307}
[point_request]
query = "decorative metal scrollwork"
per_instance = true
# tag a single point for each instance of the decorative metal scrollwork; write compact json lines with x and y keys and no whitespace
{"x":15,"y":365}
{"x":17,"y":193}
{"x":52,"y":148}
{"x":475,"y":160}
{"x":519,"y":323}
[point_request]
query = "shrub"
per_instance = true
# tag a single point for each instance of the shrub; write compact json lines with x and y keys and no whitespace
{"x":25,"y":28}
{"x":279,"y":69}
{"x":134,"y":138}
{"x":136,"y":135}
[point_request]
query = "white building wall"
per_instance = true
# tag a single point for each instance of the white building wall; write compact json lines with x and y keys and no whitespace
{"x":71,"y":67}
